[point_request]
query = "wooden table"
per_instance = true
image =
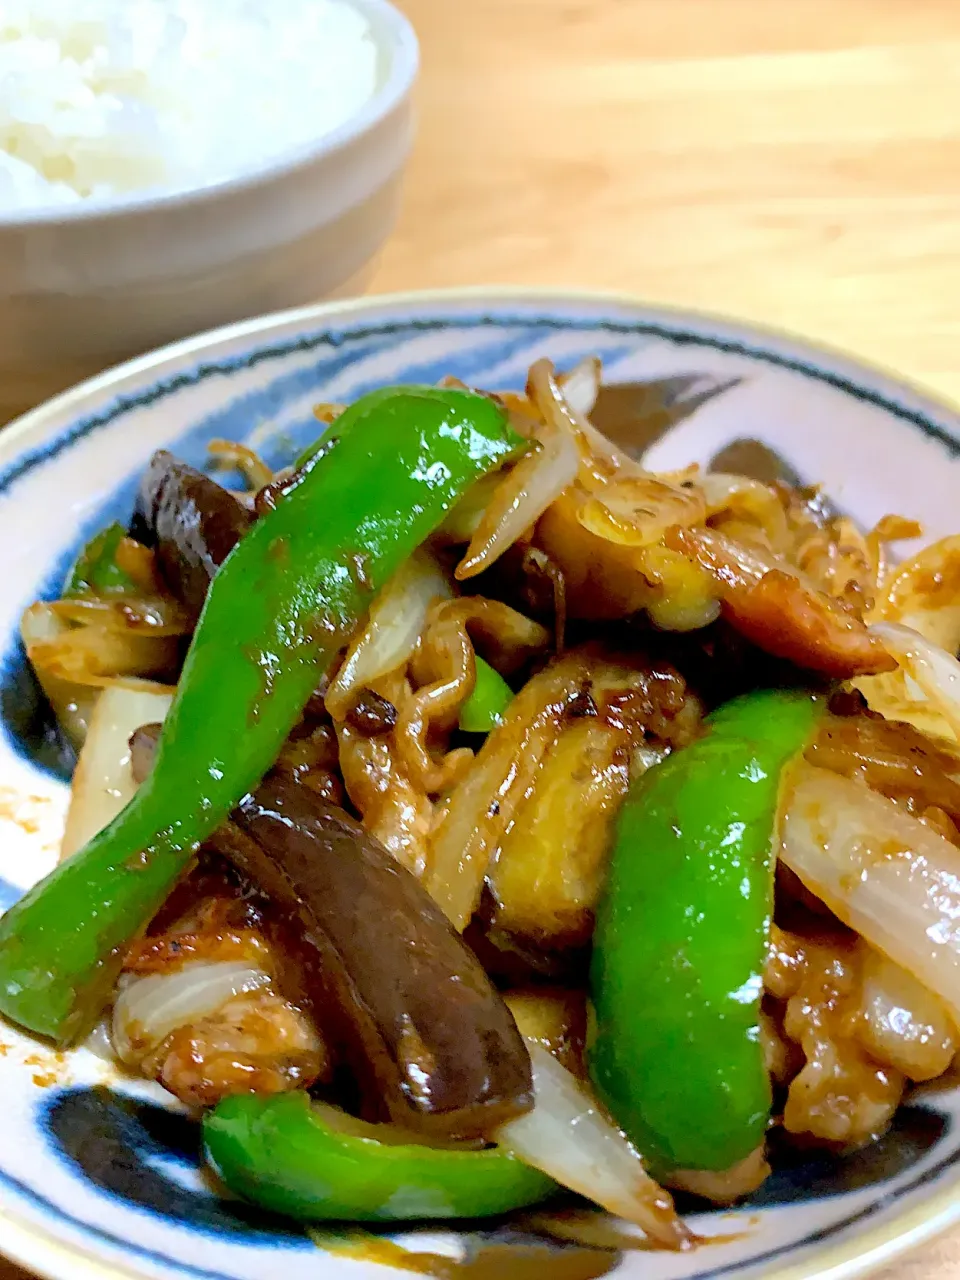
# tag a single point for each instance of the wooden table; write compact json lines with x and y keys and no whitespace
{"x":795,"y":162}
{"x":789,"y":161}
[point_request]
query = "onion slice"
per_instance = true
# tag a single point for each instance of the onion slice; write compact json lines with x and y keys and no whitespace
{"x":103,"y":782}
{"x":732,"y":495}
{"x":393,"y":627}
{"x":567,"y":1136}
{"x":581,"y":385}
{"x":882,"y":872}
{"x":152,"y":616}
{"x":532,"y":484}
{"x":72,"y":703}
{"x":486,"y":800}
{"x":924,"y":592}
{"x":936,"y":672}
{"x":148,"y":1009}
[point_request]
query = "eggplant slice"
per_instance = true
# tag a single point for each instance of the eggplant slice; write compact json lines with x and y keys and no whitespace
{"x":432,"y":1044}
{"x":394,"y":990}
{"x":193,"y":522}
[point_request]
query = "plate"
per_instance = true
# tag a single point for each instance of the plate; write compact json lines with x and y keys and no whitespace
{"x":98,"y":1176}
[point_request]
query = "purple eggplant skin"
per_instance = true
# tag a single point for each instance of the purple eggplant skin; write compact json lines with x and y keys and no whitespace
{"x":426,"y":1040}
{"x":431,"y":1044}
{"x":193,"y":522}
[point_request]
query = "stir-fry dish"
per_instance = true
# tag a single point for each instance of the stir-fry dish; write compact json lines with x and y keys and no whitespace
{"x":466,"y":813}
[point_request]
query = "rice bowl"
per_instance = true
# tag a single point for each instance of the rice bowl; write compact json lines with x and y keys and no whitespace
{"x":110,"y":97}
{"x":90,"y":282}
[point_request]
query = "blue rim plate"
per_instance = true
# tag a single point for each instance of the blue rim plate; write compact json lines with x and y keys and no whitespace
{"x":98,"y":1176}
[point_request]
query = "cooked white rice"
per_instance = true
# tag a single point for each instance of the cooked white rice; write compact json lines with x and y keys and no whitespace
{"x":103,"y":97}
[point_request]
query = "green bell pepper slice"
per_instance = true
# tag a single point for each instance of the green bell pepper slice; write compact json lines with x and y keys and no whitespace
{"x":681,"y":936}
{"x":96,"y":569}
{"x":282,"y":604}
{"x":485,"y":707}
{"x":360,"y":411}
{"x":312,"y":1162}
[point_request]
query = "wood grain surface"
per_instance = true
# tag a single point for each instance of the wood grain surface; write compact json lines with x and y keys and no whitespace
{"x":794,"y":162}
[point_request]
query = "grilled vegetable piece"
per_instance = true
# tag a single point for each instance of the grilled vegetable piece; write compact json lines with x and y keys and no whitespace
{"x":430,"y":1042}
{"x":312,"y":1162}
{"x":192,"y":522}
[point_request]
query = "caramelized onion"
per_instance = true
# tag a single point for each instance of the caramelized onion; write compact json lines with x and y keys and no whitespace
{"x":934,"y":672}
{"x":886,"y":875}
{"x":567,"y":1136}
{"x":532,"y":484}
{"x":387,"y":639}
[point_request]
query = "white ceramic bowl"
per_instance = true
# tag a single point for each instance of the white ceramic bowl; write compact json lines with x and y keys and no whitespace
{"x":84,"y":288}
{"x":99,"y":1179}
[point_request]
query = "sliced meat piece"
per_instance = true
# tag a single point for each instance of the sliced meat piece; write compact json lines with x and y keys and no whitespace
{"x":256,"y":1043}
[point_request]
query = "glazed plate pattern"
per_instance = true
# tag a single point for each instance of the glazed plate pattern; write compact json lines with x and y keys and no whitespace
{"x":98,"y":1176}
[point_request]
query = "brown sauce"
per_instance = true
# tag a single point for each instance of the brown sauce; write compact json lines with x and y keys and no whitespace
{"x":495,"y":1260}
{"x":563,"y":1244}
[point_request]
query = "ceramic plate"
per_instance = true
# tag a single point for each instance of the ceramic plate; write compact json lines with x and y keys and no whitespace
{"x":98,"y":1177}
